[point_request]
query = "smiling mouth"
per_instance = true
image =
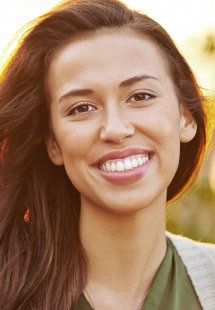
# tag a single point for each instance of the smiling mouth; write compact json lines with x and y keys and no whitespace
{"x":126,"y":164}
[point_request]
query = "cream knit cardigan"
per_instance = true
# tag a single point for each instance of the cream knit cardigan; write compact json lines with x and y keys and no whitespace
{"x":199,"y":260}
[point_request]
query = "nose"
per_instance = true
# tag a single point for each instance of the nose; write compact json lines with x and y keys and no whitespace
{"x":116,"y":126}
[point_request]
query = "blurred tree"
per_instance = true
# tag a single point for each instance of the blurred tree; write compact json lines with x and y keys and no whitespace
{"x":194,"y":214}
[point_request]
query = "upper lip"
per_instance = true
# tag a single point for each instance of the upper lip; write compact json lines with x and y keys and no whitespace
{"x":121,"y":154}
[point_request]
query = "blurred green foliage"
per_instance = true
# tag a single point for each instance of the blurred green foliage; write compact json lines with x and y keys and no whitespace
{"x":194,"y":214}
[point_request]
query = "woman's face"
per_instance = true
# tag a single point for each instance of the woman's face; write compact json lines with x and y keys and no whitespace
{"x":117,"y":123}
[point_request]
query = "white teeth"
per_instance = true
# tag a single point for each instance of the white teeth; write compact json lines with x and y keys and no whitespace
{"x":108,"y":167}
{"x":120,"y":166}
{"x":124,"y":165}
{"x":127,"y":164}
{"x":104,"y":167}
{"x":134,"y":162}
{"x":140,"y":161}
{"x":113,"y":167}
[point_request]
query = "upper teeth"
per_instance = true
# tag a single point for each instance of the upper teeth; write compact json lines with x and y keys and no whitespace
{"x":124,"y":164}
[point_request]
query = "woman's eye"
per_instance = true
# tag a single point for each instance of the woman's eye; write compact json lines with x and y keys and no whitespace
{"x":82,"y":109}
{"x":141,"y":97}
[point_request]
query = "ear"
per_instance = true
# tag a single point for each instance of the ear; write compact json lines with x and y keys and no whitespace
{"x":54,"y":151}
{"x":188,"y":126}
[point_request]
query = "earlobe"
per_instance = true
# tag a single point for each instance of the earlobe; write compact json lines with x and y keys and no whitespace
{"x":54,"y":151}
{"x":188,"y":126}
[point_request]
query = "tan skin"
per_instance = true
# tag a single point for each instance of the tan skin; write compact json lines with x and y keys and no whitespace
{"x":122,"y":227}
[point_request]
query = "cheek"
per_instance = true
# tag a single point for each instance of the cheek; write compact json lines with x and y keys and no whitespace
{"x":75,"y":141}
{"x":161,"y":130}
{"x":160,"y":123}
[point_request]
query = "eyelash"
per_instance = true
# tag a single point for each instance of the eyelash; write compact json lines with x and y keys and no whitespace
{"x":141,"y":93}
{"x":81,"y":105}
{"x":86,"y":104}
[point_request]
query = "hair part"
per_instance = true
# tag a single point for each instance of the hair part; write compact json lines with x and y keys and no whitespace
{"x":43,"y":264}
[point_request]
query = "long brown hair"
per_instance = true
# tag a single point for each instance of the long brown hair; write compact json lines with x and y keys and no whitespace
{"x":42,"y":262}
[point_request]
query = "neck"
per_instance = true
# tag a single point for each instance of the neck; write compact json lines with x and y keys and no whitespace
{"x":115,"y":243}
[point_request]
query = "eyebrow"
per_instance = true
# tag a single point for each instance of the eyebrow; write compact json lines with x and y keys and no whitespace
{"x":89,"y":91}
{"x":136,"y":79}
{"x":76,"y":93}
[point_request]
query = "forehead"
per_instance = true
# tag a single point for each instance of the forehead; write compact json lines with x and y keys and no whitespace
{"x":111,"y":54}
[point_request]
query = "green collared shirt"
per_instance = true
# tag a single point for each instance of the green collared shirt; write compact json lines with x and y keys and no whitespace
{"x":171,"y":290}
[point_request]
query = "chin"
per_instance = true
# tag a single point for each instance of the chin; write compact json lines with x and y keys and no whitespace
{"x":124,"y":207}
{"x":133,"y":203}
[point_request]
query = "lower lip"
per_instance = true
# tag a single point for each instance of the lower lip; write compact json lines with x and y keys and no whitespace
{"x":126,"y":177}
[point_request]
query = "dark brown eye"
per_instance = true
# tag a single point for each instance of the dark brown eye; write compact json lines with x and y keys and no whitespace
{"x":82,"y":109}
{"x":138,"y":97}
{"x":142,"y":96}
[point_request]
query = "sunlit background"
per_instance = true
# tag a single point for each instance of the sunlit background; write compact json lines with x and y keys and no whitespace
{"x":191,"y":24}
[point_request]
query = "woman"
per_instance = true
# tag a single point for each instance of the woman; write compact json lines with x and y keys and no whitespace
{"x":101,"y":123}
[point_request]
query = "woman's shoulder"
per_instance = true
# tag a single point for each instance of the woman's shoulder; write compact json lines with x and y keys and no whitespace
{"x":189,"y":247}
{"x":199,"y":260}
